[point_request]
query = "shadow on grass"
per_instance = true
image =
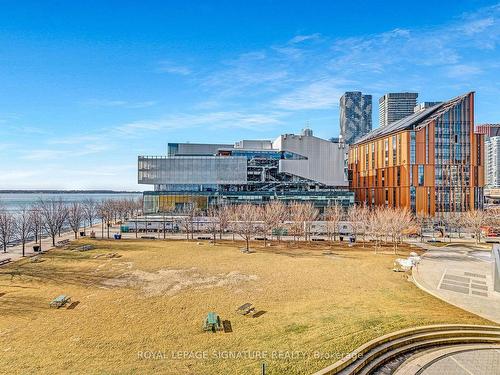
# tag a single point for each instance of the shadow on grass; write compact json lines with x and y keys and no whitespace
{"x":258,"y":314}
{"x":12,"y":304}
{"x":73,"y":305}
{"x":228,"y":328}
{"x":49,"y":273}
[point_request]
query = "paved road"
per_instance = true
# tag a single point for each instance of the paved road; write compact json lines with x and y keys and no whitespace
{"x":470,"y":362}
{"x":460,"y":275}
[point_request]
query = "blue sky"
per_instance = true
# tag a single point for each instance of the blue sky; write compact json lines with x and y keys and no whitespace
{"x":85,"y":87}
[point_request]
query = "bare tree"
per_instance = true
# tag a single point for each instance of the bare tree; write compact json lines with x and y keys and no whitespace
{"x":7,"y":228}
{"x":223,"y":217}
{"x":53,"y":214}
{"x":333,"y":216}
{"x":364,"y":220}
{"x":475,"y":220}
{"x":376,"y":226}
{"x":355,"y":220}
{"x":105,"y":211}
{"x":273,"y":218}
{"x":310,"y":214}
{"x":245,"y":220}
{"x":297,"y":220}
{"x":76,"y":217}
{"x":213,"y":221}
{"x":189,"y":212}
{"x":89,"y":207}
{"x":278,"y":216}
{"x":400,"y":220}
{"x":37,"y":221}
{"x":24,"y":227}
{"x":422,"y":221}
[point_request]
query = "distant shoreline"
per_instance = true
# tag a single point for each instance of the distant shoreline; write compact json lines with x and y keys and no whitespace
{"x":68,"y":192}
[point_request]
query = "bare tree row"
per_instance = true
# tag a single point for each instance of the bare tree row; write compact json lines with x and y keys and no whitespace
{"x":52,"y":217}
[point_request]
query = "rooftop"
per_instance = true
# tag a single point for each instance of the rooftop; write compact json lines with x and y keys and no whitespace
{"x":418,"y":119}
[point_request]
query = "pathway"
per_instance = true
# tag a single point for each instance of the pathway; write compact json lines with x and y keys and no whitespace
{"x":460,"y":275}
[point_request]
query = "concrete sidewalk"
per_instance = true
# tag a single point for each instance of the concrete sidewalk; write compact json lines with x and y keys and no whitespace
{"x":15,"y":252}
{"x":462,"y":276}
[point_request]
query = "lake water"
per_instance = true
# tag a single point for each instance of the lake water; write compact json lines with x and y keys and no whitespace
{"x":13,"y":201}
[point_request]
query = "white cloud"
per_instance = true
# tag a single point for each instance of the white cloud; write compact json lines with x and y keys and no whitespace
{"x":214,"y":120}
{"x":119,"y":103}
{"x":167,"y":66}
{"x":322,"y":94}
{"x":463,"y":71}
{"x":303,"y":38}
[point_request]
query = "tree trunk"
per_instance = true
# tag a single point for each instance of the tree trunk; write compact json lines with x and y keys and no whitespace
{"x":23,"y":248}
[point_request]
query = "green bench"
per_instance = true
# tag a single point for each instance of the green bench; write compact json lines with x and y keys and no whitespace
{"x":212,"y":322}
{"x":60,"y":301}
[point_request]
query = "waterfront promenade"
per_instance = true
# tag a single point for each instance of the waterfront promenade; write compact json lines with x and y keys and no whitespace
{"x":16,"y":252}
{"x":461,"y":275}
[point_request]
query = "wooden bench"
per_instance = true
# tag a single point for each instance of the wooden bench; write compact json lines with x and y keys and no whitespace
{"x":4,"y":261}
{"x":245,"y":309}
{"x":148,"y":237}
{"x":204,"y":238}
{"x":62,"y":243}
{"x":36,"y":259}
{"x":60,"y":301}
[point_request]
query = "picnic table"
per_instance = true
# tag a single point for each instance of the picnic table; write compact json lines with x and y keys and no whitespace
{"x":4,"y":261}
{"x":212,"y":322}
{"x":62,"y":243}
{"x":245,"y":309}
{"x":60,"y":301}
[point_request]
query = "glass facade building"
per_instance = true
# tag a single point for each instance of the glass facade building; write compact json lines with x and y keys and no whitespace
{"x":355,"y":116}
{"x":436,"y":165}
{"x":396,"y":105}
{"x":291,"y":168}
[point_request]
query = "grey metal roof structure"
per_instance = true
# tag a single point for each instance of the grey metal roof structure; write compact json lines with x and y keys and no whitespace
{"x":414,"y":121}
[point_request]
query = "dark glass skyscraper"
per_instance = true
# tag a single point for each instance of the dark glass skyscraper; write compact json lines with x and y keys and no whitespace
{"x":355,"y":116}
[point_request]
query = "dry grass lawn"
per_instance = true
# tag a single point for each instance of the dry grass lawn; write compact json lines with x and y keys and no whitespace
{"x":136,"y":312}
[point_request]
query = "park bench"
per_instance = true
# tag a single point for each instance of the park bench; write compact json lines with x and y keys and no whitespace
{"x":62,"y":243}
{"x":212,"y":322}
{"x":36,"y":259}
{"x":148,"y":237}
{"x":318,"y":239}
{"x":60,"y":301}
{"x":85,"y":248}
{"x":245,"y":309}
{"x":4,"y":261}
{"x":204,"y":238}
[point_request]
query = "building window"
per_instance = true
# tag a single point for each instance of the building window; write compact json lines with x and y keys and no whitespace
{"x":386,"y":153}
{"x":412,"y":147}
{"x":394,"y":149}
{"x":427,"y":144}
{"x":366,"y":157}
{"x":373,"y":155}
{"x":413,"y":195}
{"x":398,"y":176}
{"x":420,"y":175}
{"x":429,"y":201}
{"x":399,"y":148}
